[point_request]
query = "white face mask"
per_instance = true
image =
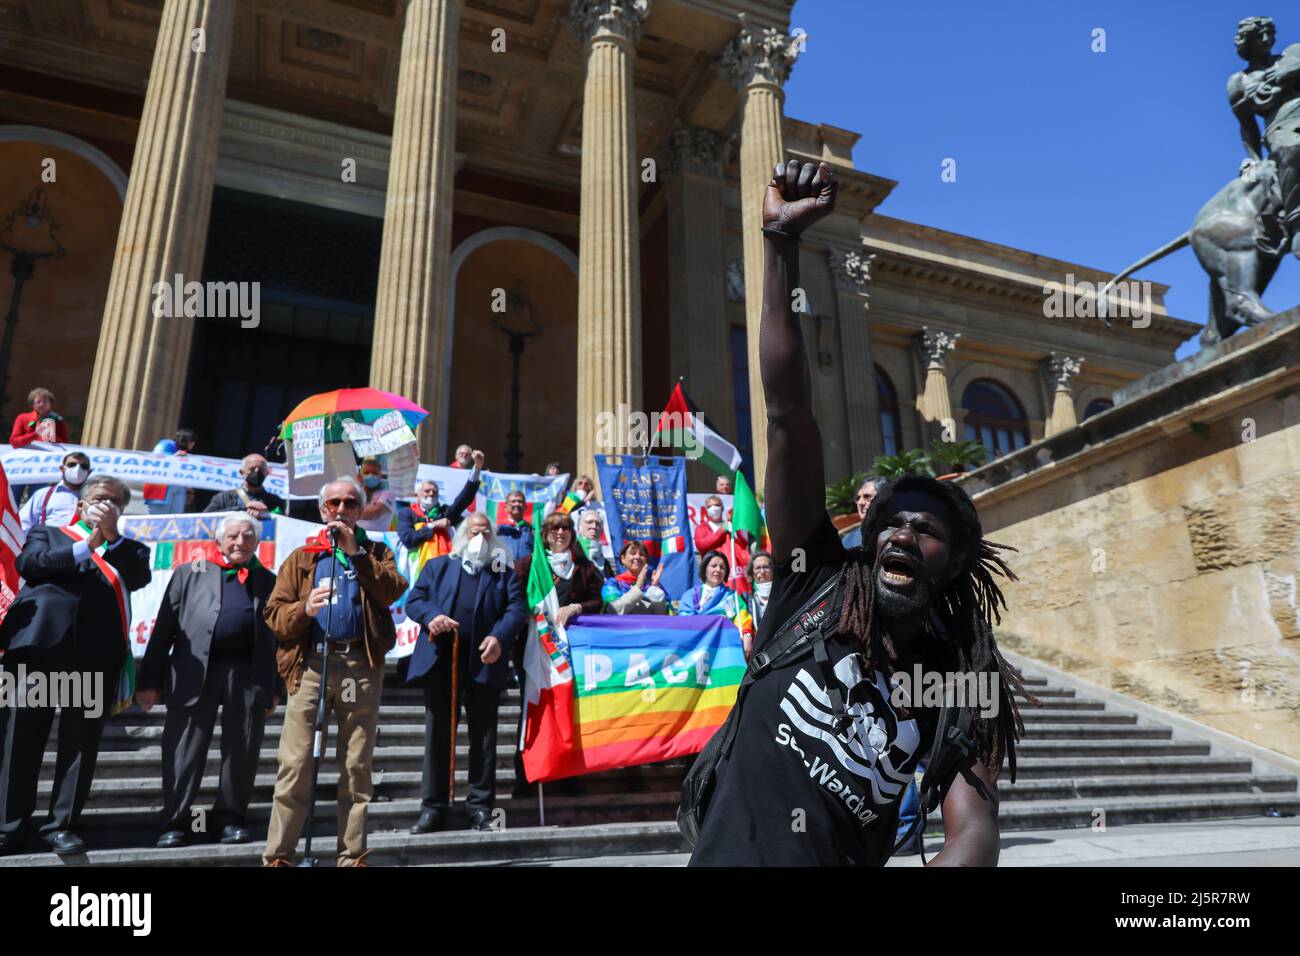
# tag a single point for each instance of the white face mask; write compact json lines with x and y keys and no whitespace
{"x":715,"y":512}
{"x":76,"y":475}
{"x":428,"y":503}
{"x":476,"y":552}
{"x":763,"y":588}
{"x":561,"y":563}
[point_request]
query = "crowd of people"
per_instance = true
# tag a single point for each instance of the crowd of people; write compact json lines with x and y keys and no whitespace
{"x":234,"y":639}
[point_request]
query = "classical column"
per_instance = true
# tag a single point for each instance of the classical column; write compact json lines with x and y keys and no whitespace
{"x":757,"y":62}
{"x":1059,"y":372}
{"x":410,"y":337}
{"x":851,"y":271}
{"x":609,"y":255}
{"x":933,"y":404}
{"x":139,"y":373}
{"x":699,"y":330}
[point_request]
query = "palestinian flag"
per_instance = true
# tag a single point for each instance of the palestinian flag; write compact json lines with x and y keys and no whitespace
{"x":682,"y":426}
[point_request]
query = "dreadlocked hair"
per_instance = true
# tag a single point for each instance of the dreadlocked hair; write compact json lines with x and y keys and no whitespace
{"x":968,"y":607}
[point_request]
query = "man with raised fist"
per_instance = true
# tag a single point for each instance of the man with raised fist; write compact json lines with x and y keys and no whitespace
{"x":819,"y":749}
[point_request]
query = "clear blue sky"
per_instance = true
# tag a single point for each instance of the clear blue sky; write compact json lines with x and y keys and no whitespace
{"x":1094,"y":158}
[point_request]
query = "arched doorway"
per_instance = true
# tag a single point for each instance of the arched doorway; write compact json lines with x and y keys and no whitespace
{"x":478,"y":366}
{"x":62,"y":303}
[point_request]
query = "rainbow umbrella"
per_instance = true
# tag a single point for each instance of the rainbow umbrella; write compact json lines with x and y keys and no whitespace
{"x":363,"y":405}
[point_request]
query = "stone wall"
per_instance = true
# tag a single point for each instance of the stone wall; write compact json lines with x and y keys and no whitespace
{"x":1159,"y":542}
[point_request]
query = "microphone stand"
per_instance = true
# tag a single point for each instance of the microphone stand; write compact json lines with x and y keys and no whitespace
{"x":322,"y":715}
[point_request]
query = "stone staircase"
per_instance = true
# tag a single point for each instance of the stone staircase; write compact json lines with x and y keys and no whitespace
{"x":1081,"y":758}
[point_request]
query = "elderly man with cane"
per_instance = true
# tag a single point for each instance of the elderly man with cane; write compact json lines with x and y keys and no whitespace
{"x":472,"y":606}
{"x":353,"y":581}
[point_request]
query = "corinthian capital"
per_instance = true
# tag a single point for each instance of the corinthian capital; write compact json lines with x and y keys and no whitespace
{"x":618,"y":18}
{"x":697,"y":150}
{"x":759,"y":56}
{"x":850,"y":269}
{"x":933,"y":346}
{"x":1059,"y":371}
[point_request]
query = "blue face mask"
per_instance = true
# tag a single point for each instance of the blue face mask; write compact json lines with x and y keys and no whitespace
{"x":371,"y":481}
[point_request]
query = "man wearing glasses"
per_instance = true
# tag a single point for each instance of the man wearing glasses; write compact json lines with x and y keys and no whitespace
{"x":345,"y":582}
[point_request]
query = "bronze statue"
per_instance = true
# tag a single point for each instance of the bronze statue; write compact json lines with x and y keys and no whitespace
{"x":1241,"y":235}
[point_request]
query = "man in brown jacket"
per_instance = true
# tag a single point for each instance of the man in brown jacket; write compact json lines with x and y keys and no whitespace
{"x":361,"y":575}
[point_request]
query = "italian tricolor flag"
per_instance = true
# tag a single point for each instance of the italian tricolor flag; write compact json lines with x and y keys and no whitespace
{"x":549,"y":702}
{"x":681,"y":417}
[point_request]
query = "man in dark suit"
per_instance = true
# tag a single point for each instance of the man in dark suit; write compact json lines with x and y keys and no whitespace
{"x":222,"y":654}
{"x":70,"y":617}
{"x":475,"y":592}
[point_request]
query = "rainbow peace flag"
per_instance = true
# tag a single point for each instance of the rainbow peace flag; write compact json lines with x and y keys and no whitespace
{"x":644,"y":688}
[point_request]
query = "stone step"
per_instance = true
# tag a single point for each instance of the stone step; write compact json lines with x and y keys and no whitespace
{"x":1056,"y":731}
{"x":1037,"y":768}
{"x":526,"y":844}
{"x":134,"y":722}
{"x":1122,"y":773}
{"x":1040,"y":727}
{"x":1110,"y":748}
{"x":1061,"y":788}
{"x":1127,"y":809}
{"x":410,"y":734}
{"x":659,"y":790}
{"x":396,"y":756}
{"x":512,"y":845}
{"x":138,"y":826}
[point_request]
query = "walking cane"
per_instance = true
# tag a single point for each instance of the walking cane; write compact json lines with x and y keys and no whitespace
{"x":318,"y":738}
{"x":455,"y":709}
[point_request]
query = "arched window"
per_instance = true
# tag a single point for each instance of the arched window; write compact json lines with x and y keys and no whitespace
{"x":1097,"y":406}
{"x":891,"y":426}
{"x":994,"y":417}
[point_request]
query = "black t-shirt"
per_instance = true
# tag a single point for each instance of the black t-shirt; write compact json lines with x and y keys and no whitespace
{"x":793,"y":793}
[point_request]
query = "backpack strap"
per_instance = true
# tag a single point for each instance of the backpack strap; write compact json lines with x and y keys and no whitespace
{"x":791,"y":641}
{"x":952,"y":746}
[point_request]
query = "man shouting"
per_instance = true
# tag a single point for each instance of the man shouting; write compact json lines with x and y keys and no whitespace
{"x":823,"y":748}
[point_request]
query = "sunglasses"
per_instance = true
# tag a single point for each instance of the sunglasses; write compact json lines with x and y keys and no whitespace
{"x":338,"y":504}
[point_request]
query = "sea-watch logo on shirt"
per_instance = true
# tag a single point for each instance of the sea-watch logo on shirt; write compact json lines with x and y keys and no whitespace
{"x":867,"y":762}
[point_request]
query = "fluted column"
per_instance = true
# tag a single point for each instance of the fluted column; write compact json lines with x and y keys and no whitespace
{"x":139,"y":374}
{"x":699,"y":330}
{"x":1059,"y":372}
{"x":757,"y":62}
{"x":851,"y":271}
{"x":609,"y":266}
{"x":933,"y":404}
{"x":410,"y":337}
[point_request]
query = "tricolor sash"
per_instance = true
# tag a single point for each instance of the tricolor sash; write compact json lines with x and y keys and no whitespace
{"x":80,"y":531}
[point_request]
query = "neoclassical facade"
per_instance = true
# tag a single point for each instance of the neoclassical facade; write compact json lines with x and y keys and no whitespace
{"x":408,"y":181}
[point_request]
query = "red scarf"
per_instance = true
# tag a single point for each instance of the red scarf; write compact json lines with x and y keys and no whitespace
{"x":238,"y":571}
{"x":321,"y":545}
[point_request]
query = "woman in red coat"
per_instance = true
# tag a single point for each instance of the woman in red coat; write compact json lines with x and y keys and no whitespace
{"x":42,"y":423}
{"x":714,"y":534}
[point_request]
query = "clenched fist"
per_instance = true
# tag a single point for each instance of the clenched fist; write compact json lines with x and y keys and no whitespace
{"x":798,"y":195}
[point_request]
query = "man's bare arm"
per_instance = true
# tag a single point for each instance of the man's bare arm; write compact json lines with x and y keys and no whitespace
{"x":795,"y":484}
{"x":970,"y":819}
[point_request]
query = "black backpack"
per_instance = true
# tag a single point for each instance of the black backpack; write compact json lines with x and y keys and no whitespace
{"x":807,"y":631}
